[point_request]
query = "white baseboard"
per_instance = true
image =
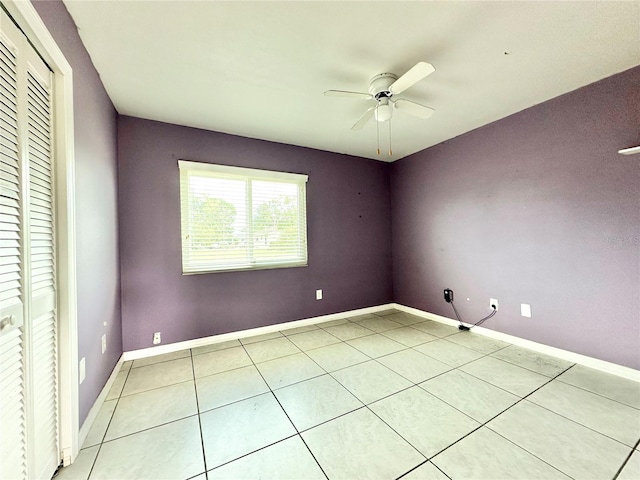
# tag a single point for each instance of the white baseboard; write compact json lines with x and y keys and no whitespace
{"x":93,"y":413}
{"x":590,"y":362}
{"x":199,"y":342}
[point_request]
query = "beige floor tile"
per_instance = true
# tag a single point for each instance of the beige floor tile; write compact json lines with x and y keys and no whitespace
{"x":507,"y":376}
{"x":448,"y":352}
{"x":158,"y":375}
{"x":315,"y":401}
{"x":436,"y":329}
{"x":285,"y":371}
{"x":228,"y":387}
{"x":477,"y":398}
{"x":313,"y":339}
{"x":410,"y":337}
{"x":376,"y":345}
{"x":611,"y":386}
{"x":477,"y":342}
{"x":427,"y":423}
{"x":100,"y":424}
{"x":220,"y":361}
{"x":532,"y":360}
{"x":485,"y":454}
{"x":270,"y":349}
{"x":426,"y":471}
{"x":414,"y":366}
{"x":379,"y":324}
{"x":371,"y":381}
{"x":145,"y":454}
{"x":288,"y":459}
{"x":570,"y":447}
{"x":337,"y":356}
{"x":235,"y":430}
{"x":152,"y":408}
{"x":348,"y":331}
{"x":608,"y":417}
{"x":631,"y":470}
{"x":360,"y":446}
{"x":331,"y":323}
{"x":118,"y":385}
{"x":405,"y":318}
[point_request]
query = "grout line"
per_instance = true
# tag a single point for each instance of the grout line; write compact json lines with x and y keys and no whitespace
{"x":314,"y":457}
{"x":367,"y":407}
{"x":251,"y":452}
{"x":626,"y":460}
{"x":419,"y":465}
{"x":481,"y":424}
{"x":195,"y":389}
{"x":596,"y":393}
{"x":484,"y":424}
{"x":577,"y":422}
{"x":288,"y":417}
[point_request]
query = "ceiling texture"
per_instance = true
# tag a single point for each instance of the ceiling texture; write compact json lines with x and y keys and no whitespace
{"x":259,"y":69}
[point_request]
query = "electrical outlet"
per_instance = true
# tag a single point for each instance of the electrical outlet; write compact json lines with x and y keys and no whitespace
{"x":157,"y":338}
{"x":82,"y":372}
{"x":525,"y":310}
{"x":493,"y":302}
{"x":104,"y":343}
{"x":319,"y":294}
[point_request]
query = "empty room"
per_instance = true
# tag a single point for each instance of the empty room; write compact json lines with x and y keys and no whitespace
{"x":319,"y":240}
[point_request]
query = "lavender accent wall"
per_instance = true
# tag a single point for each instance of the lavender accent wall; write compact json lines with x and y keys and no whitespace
{"x":348,"y":216}
{"x":536,"y":208}
{"x":96,"y":208}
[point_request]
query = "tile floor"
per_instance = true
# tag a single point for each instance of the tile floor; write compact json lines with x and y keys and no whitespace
{"x":381,"y":396}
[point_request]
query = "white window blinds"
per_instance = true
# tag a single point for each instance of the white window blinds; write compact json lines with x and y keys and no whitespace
{"x":241,"y":218}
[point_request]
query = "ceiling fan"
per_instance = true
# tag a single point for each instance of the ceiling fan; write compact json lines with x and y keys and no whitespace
{"x":382,"y":89}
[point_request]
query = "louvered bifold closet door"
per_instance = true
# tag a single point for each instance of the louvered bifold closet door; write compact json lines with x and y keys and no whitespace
{"x":42,"y":269}
{"x":12,"y":365}
{"x":29,"y":338}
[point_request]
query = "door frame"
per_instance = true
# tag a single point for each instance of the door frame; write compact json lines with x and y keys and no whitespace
{"x":24,"y":13}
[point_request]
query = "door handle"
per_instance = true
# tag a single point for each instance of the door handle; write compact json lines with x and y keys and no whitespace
{"x":7,"y":321}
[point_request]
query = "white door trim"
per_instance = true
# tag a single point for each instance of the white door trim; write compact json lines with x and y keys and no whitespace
{"x":30,"y":22}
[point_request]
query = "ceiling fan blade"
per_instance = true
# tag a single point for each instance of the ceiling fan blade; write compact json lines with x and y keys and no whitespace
{"x":366,"y":116}
{"x":344,"y":93}
{"x":413,"y":76}
{"x":413,"y":108}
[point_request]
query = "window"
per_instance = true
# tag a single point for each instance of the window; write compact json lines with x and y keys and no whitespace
{"x":241,"y":218}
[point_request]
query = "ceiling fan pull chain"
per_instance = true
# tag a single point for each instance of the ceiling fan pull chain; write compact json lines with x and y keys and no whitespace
{"x":390,"y":137}
{"x":378,"y":128}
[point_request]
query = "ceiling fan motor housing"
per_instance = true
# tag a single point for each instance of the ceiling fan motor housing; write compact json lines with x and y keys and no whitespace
{"x":380,"y":84}
{"x":379,"y":88}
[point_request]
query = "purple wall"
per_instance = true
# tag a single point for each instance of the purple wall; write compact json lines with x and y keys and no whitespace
{"x":536,"y":208}
{"x":96,"y":208}
{"x":348,"y":216}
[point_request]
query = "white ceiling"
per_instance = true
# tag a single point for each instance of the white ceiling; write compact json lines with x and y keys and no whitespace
{"x":259,"y":69}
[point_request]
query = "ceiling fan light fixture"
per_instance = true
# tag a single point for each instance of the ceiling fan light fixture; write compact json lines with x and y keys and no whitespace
{"x":384,"y":110}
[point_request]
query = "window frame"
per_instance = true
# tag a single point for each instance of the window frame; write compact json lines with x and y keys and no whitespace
{"x":248,"y":175}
